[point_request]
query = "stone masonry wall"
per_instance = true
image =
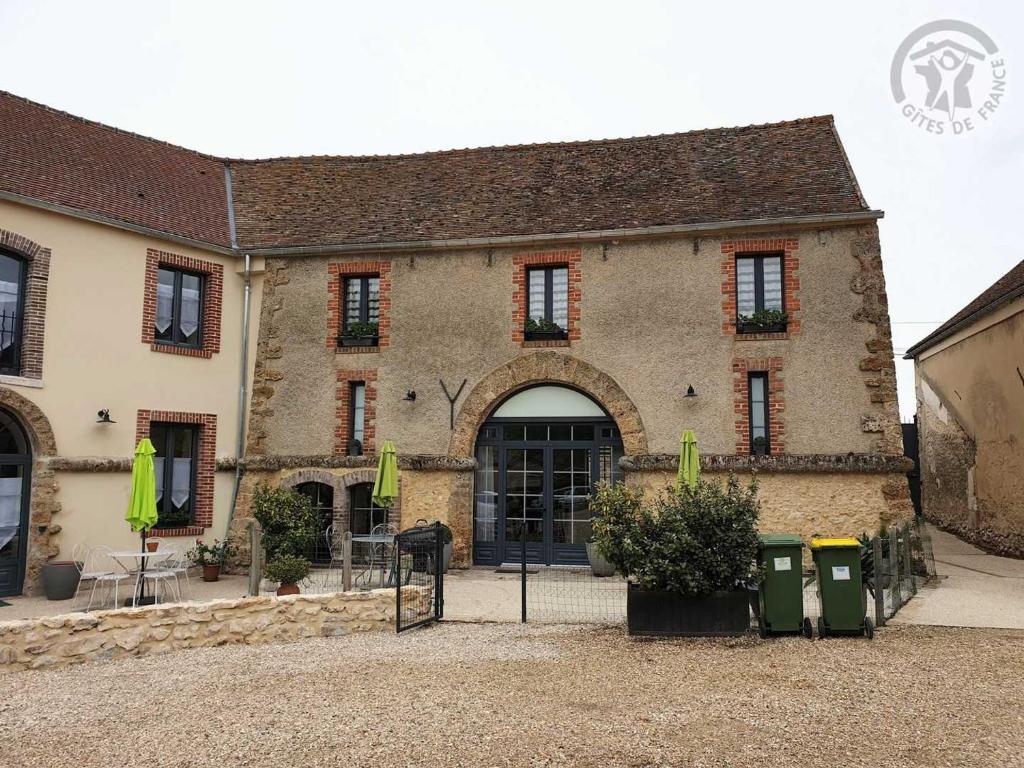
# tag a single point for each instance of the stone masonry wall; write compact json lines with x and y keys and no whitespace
{"x":73,"y":638}
{"x":840,"y":504}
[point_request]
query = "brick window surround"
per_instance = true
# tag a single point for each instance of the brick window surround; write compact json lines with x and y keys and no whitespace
{"x":521,"y":263}
{"x":343,"y":414}
{"x":205,"y":467}
{"x":213,"y":297}
{"x":741,"y":368}
{"x":336,"y":301}
{"x":33,"y":319}
{"x":787,"y":247}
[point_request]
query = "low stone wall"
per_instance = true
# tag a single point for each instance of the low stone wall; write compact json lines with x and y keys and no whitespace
{"x":72,"y":638}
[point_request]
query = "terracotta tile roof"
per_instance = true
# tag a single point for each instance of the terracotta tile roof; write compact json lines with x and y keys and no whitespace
{"x":1006,"y":288}
{"x":764,"y":171}
{"x":61,"y":159}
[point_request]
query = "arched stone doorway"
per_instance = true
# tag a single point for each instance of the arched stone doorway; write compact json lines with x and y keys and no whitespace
{"x":41,"y":495}
{"x":539,"y":454}
{"x":546,"y":367}
{"x":15,"y":496}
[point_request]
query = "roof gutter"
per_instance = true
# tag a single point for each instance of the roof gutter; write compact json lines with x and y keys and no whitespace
{"x":818,"y":220}
{"x":930,"y":341}
{"x":96,"y":218}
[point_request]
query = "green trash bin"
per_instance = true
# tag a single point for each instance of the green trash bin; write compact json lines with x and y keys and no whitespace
{"x":841,"y":588}
{"x":781,"y":593}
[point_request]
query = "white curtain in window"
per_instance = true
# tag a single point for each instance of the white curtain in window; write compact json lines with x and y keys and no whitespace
{"x":189,"y":310}
{"x":181,"y":480}
{"x":10,"y":508}
{"x":9,"y":309}
{"x":164,"y":306}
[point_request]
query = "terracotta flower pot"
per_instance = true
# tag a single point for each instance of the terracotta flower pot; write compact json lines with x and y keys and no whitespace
{"x":152,"y":546}
{"x":211,"y":573}
{"x":287,"y":589}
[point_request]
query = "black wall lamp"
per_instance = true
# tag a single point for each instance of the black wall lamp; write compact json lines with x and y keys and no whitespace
{"x":690,"y":391}
{"x":103,"y":416}
{"x":410,"y":396}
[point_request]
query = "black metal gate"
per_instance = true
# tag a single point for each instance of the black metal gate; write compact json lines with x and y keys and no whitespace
{"x":419,"y":576}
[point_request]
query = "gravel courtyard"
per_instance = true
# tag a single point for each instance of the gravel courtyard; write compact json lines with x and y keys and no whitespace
{"x":507,"y":695}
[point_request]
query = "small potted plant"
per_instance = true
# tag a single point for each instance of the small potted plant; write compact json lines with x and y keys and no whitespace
{"x":687,"y":555}
{"x":763,"y":321}
{"x":210,"y":557}
{"x":288,"y":571}
{"x":543,"y":330}
{"x":359,"y":335}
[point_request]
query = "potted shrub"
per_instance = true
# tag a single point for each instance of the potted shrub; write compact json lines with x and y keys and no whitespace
{"x":288,"y":571}
{"x":290,"y":525}
{"x":687,"y":555}
{"x":60,"y":579}
{"x":359,"y":335}
{"x":763,"y":321}
{"x":543,"y":330}
{"x":210,"y":557}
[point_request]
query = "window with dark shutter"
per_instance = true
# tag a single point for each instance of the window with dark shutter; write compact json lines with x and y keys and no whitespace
{"x":547,"y":315}
{"x":760,"y":434}
{"x":179,"y":308}
{"x":760,"y":305}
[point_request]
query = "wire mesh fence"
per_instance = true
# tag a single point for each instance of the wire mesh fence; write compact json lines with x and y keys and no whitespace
{"x":894,"y":564}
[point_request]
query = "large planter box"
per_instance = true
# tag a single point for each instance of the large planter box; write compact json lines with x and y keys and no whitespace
{"x":669,"y":614}
{"x":359,"y":341}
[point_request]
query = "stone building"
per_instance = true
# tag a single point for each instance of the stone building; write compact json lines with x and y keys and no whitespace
{"x":548,"y":316}
{"x":521,"y":321}
{"x":970,"y":415}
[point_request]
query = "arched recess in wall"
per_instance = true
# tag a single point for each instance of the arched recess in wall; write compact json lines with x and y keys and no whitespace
{"x":341,"y":485}
{"x":546,"y":367}
{"x":43,"y":503}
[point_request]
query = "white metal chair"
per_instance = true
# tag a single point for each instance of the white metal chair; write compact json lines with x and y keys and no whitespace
{"x":95,"y":564}
{"x":156,"y":575}
{"x":177,"y":564}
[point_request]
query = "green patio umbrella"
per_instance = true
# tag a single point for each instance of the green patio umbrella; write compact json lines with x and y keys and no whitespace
{"x":689,"y":460}
{"x":141,"y":514}
{"x":385,"y":485}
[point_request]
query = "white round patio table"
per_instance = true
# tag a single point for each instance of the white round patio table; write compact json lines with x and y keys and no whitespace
{"x":133,"y":561}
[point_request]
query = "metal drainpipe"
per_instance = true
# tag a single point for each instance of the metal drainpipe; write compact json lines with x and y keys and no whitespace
{"x":243,"y":395}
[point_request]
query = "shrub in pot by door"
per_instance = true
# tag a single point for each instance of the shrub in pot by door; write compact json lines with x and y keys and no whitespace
{"x":687,"y":555}
{"x":210,"y":557}
{"x":290,"y":529}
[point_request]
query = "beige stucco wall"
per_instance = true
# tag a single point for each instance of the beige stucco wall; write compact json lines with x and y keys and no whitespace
{"x":94,"y":358}
{"x":971,"y":419}
{"x":651,"y":319}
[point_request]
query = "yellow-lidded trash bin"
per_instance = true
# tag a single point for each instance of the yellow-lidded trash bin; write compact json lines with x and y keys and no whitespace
{"x":841,"y":589}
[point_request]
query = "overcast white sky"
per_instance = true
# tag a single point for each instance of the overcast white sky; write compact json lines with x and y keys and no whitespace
{"x":259,"y":79}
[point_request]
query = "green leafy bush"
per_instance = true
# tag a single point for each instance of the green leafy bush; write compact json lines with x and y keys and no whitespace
{"x":763,"y":318}
{"x":692,"y":541}
{"x":289,"y":522}
{"x":360,"y":330}
{"x":542,"y":325}
{"x":287,"y":569}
